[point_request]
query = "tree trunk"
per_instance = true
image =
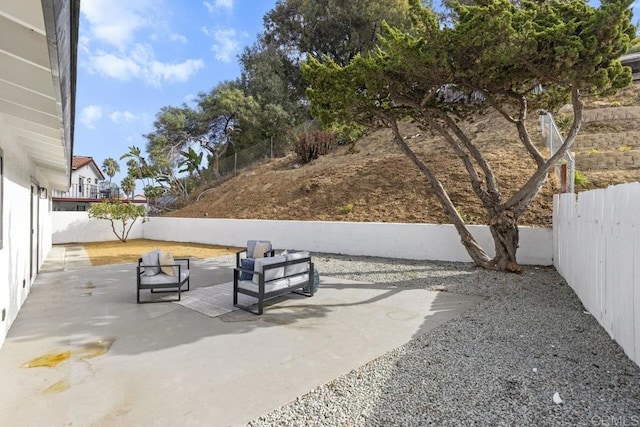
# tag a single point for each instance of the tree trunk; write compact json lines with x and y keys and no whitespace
{"x":504,"y":229}
{"x":216,"y":166}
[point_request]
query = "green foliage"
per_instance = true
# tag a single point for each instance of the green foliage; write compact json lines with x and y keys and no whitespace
{"x":110,"y":167}
{"x":128,"y":185}
{"x":467,"y":217}
{"x":311,"y":145}
{"x":121,"y":215}
{"x":579,"y":179}
{"x":347,"y":134}
{"x":563,"y":122}
{"x":346,"y":209}
{"x":337,"y":29}
{"x":190,"y":162}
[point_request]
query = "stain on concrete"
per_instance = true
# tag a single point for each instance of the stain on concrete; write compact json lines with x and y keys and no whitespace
{"x":49,"y":360}
{"x":86,"y":351}
{"x":58,"y":387}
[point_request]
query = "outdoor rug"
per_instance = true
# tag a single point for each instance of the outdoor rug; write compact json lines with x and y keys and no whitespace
{"x":214,"y":300}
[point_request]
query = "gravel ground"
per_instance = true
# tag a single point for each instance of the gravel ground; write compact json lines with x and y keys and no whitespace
{"x":497,"y":364}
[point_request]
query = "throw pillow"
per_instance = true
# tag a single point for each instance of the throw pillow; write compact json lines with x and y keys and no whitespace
{"x":166,"y":259}
{"x":247,"y":264}
{"x":261,"y":249}
{"x":151,"y":263}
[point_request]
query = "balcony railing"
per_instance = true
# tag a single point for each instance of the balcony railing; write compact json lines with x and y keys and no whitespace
{"x":87,"y":191}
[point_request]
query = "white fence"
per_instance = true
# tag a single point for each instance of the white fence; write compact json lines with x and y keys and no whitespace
{"x":408,"y":241}
{"x":597,"y":250}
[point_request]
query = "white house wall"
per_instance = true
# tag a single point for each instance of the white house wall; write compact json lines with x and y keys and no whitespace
{"x":15,"y":260}
{"x":86,"y":171}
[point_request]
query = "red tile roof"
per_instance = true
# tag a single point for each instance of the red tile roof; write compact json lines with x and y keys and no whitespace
{"x":80,"y":161}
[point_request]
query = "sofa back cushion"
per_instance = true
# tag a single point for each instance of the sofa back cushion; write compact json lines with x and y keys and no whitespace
{"x":298,"y":268}
{"x":151,"y":262}
{"x":271,"y":274}
{"x":257,"y":248}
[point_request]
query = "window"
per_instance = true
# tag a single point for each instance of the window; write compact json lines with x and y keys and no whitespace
{"x":1,"y":196}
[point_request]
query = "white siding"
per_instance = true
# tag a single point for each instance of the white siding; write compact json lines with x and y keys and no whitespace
{"x":15,"y":255}
{"x":597,"y":250}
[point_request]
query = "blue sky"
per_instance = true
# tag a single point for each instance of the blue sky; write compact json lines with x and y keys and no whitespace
{"x":136,"y":56}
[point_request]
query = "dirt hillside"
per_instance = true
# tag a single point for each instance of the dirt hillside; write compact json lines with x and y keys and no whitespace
{"x":374,"y":181}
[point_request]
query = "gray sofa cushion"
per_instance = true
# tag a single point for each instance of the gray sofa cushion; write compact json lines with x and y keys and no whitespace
{"x":299,"y":267}
{"x":163,"y":279}
{"x":271,"y":274}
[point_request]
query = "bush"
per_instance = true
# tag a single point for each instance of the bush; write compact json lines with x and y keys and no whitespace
{"x":311,"y":145}
{"x":121,"y":215}
{"x":579,"y":179}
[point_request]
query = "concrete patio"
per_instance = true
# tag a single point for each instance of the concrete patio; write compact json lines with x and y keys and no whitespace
{"x":82,"y":352}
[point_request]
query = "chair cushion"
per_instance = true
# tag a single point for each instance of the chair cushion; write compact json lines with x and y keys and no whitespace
{"x":163,"y":279}
{"x":298,"y":268}
{"x":271,"y":274}
{"x":246,"y":264}
{"x":166,"y":259}
{"x":151,"y":262}
{"x":260,"y":249}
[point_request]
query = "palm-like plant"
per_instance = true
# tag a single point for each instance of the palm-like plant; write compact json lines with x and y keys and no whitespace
{"x":110,"y":167}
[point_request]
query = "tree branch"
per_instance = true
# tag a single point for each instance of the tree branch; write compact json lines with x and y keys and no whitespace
{"x":519,"y":201}
{"x":520,"y":124}
{"x":476,"y":182}
{"x":476,"y":252}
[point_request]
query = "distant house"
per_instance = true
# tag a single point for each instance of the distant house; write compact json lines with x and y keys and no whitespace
{"x":632,"y":60}
{"x":88,"y":186}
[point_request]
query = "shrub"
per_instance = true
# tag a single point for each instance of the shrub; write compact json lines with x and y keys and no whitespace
{"x":121,"y":215}
{"x":346,"y":209}
{"x":579,"y":179}
{"x":311,"y":145}
{"x":348,"y":134}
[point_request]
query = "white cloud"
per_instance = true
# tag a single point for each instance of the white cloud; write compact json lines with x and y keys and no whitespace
{"x":140,"y":63}
{"x":118,"y":117}
{"x":178,"y":38}
{"x":225,"y":44}
{"x":90,"y":115}
{"x":115,"y":67}
{"x":180,"y":72}
{"x":189,"y":98}
{"x":116,"y":21}
{"x":216,"y":5}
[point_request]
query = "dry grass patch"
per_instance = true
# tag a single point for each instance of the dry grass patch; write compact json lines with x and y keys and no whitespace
{"x":116,"y":252}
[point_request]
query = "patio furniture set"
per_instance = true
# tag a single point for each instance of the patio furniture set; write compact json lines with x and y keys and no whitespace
{"x":259,"y":273}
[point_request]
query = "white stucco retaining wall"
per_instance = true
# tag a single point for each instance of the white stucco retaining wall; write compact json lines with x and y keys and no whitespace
{"x":77,"y":227}
{"x":408,"y":241}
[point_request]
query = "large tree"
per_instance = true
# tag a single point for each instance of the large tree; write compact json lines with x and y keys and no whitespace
{"x":337,"y":29}
{"x":493,"y":54}
{"x":296,"y":29}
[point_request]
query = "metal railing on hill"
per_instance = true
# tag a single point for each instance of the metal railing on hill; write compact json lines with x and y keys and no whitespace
{"x":565,"y":169}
